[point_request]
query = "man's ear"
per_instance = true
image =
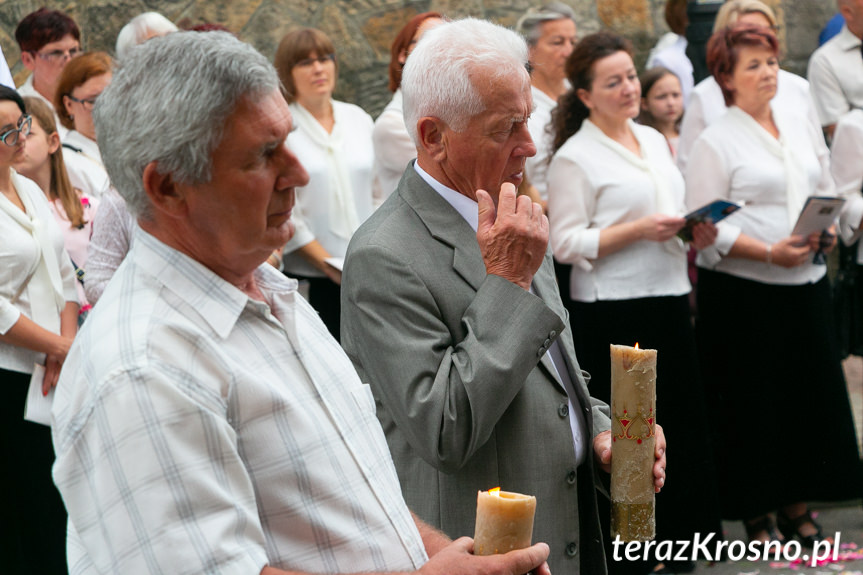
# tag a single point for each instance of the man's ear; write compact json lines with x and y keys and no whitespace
{"x":29,"y":60}
{"x":165,"y":194}
{"x":431,"y":133}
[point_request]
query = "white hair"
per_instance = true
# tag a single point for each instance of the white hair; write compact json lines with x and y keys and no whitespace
{"x":530,"y":24}
{"x":168,"y":103}
{"x":140,"y":28}
{"x":439,"y":77}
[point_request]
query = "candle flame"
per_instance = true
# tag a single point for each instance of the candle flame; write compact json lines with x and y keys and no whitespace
{"x":636,"y":345}
{"x":494,"y":491}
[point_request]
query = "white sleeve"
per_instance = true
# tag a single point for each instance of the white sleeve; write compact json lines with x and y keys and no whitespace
{"x":112,"y":234}
{"x":830,"y":102}
{"x":571,"y":204}
{"x":690,"y":128}
{"x":153,"y":479}
{"x":707,"y":179}
{"x":847,"y":168}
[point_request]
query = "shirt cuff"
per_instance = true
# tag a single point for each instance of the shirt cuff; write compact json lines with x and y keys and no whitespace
{"x":849,"y":220}
{"x":9,"y":316}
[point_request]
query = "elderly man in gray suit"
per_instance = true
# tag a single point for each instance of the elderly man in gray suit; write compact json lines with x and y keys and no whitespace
{"x":451,"y":311}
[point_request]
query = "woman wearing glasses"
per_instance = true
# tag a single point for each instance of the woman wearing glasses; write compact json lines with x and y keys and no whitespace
{"x":333,"y":141}
{"x":82,"y":81}
{"x":38,"y":319}
{"x":48,"y":40}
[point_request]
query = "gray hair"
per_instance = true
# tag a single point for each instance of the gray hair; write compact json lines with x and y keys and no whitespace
{"x":530,"y":25}
{"x":168,"y":103}
{"x":438,"y":78}
{"x":140,"y":28}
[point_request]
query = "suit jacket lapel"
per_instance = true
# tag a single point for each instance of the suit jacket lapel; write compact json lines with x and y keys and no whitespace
{"x":445,"y":225}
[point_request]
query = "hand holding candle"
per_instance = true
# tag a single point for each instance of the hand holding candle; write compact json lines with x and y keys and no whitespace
{"x":504,"y":521}
{"x":633,"y":433}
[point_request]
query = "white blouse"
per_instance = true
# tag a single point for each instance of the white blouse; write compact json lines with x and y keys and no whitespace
{"x":708,"y":105}
{"x":536,"y":167}
{"x":85,"y":168}
{"x":730,"y":161}
{"x":21,"y":256}
{"x":349,"y":143}
{"x":594,"y":183}
{"x":846,"y":163}
{"x":112,"y":237}
{"x":393,"y":147}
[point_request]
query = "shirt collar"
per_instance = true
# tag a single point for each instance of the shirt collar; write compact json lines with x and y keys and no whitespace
{"x":466,"y":207}
{"x":219,"y":302}
{"x":846,"y":40}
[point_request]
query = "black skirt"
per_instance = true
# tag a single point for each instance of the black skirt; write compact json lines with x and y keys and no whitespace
{"x":32,"y":515}
{"x":779,"y":403}
{"x":687,"y":503}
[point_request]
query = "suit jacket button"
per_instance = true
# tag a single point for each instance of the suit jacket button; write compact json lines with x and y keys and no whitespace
{"x":571,"y":549}
{"x":570,"y":477}
{"x":552,"y":334}
{"x":546,"y":344}
{"x":563,"y":410}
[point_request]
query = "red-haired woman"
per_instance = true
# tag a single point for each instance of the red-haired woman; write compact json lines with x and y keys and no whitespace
{"x":765,"y":327}
{"x":393,"y":146}
{"x":82,"y":81}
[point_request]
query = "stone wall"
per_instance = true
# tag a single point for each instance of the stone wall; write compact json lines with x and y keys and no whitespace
{"x":363,"y":29}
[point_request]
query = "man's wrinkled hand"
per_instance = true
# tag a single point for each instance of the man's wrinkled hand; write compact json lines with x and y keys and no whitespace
{"x":512,"y":237}
{"x":457,"y":559}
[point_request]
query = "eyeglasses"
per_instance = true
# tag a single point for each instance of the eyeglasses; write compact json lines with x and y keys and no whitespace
{"x":10,"y":137}
{"x":57,"y":56}
{"x":306,"y":62}
{"x":88,"y":103}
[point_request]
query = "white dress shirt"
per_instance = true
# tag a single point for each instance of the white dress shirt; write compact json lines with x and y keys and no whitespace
{"x":708,"y":105}
{"x":393,"y":147}
{"x":731,"y":162}
{"x":846,"y":164}
{"x":22,"y":256}
{"x":350,"y":143}
{"x":109,"y":244}
{"x":84,"y":164}
{"x":536,"y":167}
{"x":670,"y":52}
{"x":27,"y":89}
{"x":595,"y":183}
{"x":836,"y":76}
{"x":200,"y":431}
{"x":469,"y":210}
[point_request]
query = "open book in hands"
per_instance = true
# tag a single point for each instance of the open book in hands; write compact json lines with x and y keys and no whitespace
{"x":713,"y":212}
{"x":818,"y":214}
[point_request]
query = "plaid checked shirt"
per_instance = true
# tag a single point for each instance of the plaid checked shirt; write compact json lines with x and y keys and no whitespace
{"x":200,"y":431}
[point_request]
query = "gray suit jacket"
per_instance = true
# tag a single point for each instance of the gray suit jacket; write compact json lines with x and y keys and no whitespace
{"x":465,"y":391}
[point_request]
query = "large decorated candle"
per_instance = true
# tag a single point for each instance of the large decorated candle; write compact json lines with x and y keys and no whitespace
{"x":504,"y":521}
{"x":633,"y":427}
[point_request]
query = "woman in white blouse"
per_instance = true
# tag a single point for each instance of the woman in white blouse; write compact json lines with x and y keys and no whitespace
{"x":83,"y":79}
{"x":706,"y":103}
{"x":393,"y":145}
{"x":765,"y":325}
{"x":73,"y":210}
{"x":551,"y":36}
{"x":38,"y":319}
{"x":333,"y":141}
{"x":615,"y":205}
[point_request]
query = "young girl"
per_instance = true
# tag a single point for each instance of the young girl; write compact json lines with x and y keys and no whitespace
{"x":662,"y":104}
{"x":42,"y":162}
